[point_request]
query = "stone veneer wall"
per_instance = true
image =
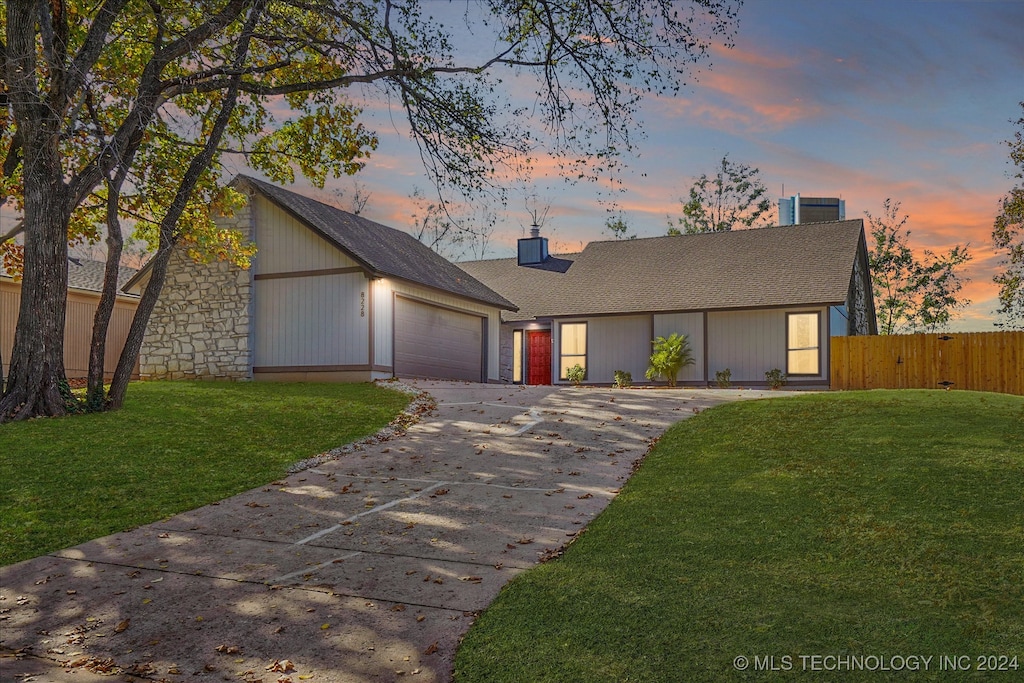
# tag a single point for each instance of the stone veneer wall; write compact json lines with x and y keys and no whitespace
{"x":200,"y":325}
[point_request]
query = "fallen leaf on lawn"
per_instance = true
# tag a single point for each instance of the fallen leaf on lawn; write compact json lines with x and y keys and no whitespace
{"x":122,"y":626}
{"x":431,"y":649}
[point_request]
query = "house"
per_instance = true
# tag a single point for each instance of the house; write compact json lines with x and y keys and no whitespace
{"x":330,"y":296}
{"x":85,"y":282}
{"x":749,"y":301}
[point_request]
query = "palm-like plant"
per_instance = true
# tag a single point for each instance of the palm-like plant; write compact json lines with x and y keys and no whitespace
{"x":671,"y":354}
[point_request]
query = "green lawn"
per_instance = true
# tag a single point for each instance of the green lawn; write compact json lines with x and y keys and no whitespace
{"x":871,"y":523}
{"x":175,"y":446}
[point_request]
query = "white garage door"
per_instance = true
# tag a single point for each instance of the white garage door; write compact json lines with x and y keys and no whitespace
{"x":437,"y":342}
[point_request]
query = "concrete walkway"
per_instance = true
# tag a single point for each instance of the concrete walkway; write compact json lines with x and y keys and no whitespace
{"x":366,"y":568}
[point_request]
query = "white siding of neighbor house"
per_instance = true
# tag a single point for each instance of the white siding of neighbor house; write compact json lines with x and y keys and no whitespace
{"x":287,"y":246}
{"x":311,"y":321}
{"x":751,"y":343}
{"x":692,"y":325}
{"x":383,"y":294}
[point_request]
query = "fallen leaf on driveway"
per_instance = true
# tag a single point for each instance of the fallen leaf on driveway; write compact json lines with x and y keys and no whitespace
{"x":281,"y":666}
{"x":122,"y":626}
{"x":472,"y":579}
{"x":431,"y":649}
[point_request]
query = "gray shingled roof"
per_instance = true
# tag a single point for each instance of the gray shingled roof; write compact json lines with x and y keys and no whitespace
{"x":807,"y":264}
{"x":378,"y":248}
{"x":88,"y":274}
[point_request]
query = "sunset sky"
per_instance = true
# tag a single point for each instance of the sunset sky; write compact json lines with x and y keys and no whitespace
{"x":860,"y":100}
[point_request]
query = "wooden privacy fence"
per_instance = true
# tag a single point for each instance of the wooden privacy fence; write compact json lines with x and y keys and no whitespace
{"x":981,"y":361}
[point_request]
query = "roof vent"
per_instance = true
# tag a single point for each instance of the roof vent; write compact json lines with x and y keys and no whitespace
{"x":533,"y":250}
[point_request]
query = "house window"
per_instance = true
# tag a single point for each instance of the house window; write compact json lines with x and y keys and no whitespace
{"x":573,"y":347}
{"x":517,"y":356}
{"x":803,"y":344}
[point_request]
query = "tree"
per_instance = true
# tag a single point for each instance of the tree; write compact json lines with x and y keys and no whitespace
{"x":124,"y":109}
{"x":671,"y":354}
{"x":452,"y":230}
{"x":733,"y":198}
{"x":912,"y":294}
{"x":618,"y":228}
{"x":1008,"y":237}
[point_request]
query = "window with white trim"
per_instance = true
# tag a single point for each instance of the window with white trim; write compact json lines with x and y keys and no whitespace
{"x":803,"y":344}
{"x":572,"y":347}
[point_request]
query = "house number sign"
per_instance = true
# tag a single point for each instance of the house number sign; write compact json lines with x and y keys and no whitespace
{"x":362,"y":304}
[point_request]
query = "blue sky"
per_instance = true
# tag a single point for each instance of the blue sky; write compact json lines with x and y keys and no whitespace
{"x":861,"y":100}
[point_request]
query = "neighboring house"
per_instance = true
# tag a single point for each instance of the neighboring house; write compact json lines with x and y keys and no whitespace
{"x":749,"y":300}
{"x":330,"y":296}
{"x":85,"y":281}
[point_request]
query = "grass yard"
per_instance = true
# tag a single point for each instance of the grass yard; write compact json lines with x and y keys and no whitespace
{"x":875,"y":523}
{"x":175,"y":446}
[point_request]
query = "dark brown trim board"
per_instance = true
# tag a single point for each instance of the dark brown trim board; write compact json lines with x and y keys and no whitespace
{"x":308,"y":273}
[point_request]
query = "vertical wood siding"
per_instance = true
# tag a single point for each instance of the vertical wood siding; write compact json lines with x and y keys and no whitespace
{"x":692,"y":325}
{"x":751,"y":343}
{"x":980,"y":361}
{"x":287,"y":246}
{"x":312,"y":321}
{"x":617,"y":343}
{"x":78,"y":321}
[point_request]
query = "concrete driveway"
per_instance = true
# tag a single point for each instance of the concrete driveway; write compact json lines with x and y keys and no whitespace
{"x":365,"y":568}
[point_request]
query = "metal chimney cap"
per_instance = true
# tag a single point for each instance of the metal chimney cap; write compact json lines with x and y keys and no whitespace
{"x":534,"y":230}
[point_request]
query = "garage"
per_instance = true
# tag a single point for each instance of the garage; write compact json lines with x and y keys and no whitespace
{"x":438,"y":343}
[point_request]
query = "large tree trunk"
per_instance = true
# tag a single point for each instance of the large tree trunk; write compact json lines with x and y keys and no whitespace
{"x":137,"y":331}
{"x":95,"y":397}
{"x":37,"y":376}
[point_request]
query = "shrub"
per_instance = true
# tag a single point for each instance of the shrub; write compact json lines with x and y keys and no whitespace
{"x":623,"y":379}
{"x":723,"y":378}
{"x":576,"y":374}
{"x":670,"y":355}
{"x":776,"y":378}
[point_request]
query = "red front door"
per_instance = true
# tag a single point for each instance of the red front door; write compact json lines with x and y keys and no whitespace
{"x":538,"y":356}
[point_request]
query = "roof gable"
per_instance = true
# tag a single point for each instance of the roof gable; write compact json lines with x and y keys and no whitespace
{"x":806,"y":264}
{"x":381,"y":250}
